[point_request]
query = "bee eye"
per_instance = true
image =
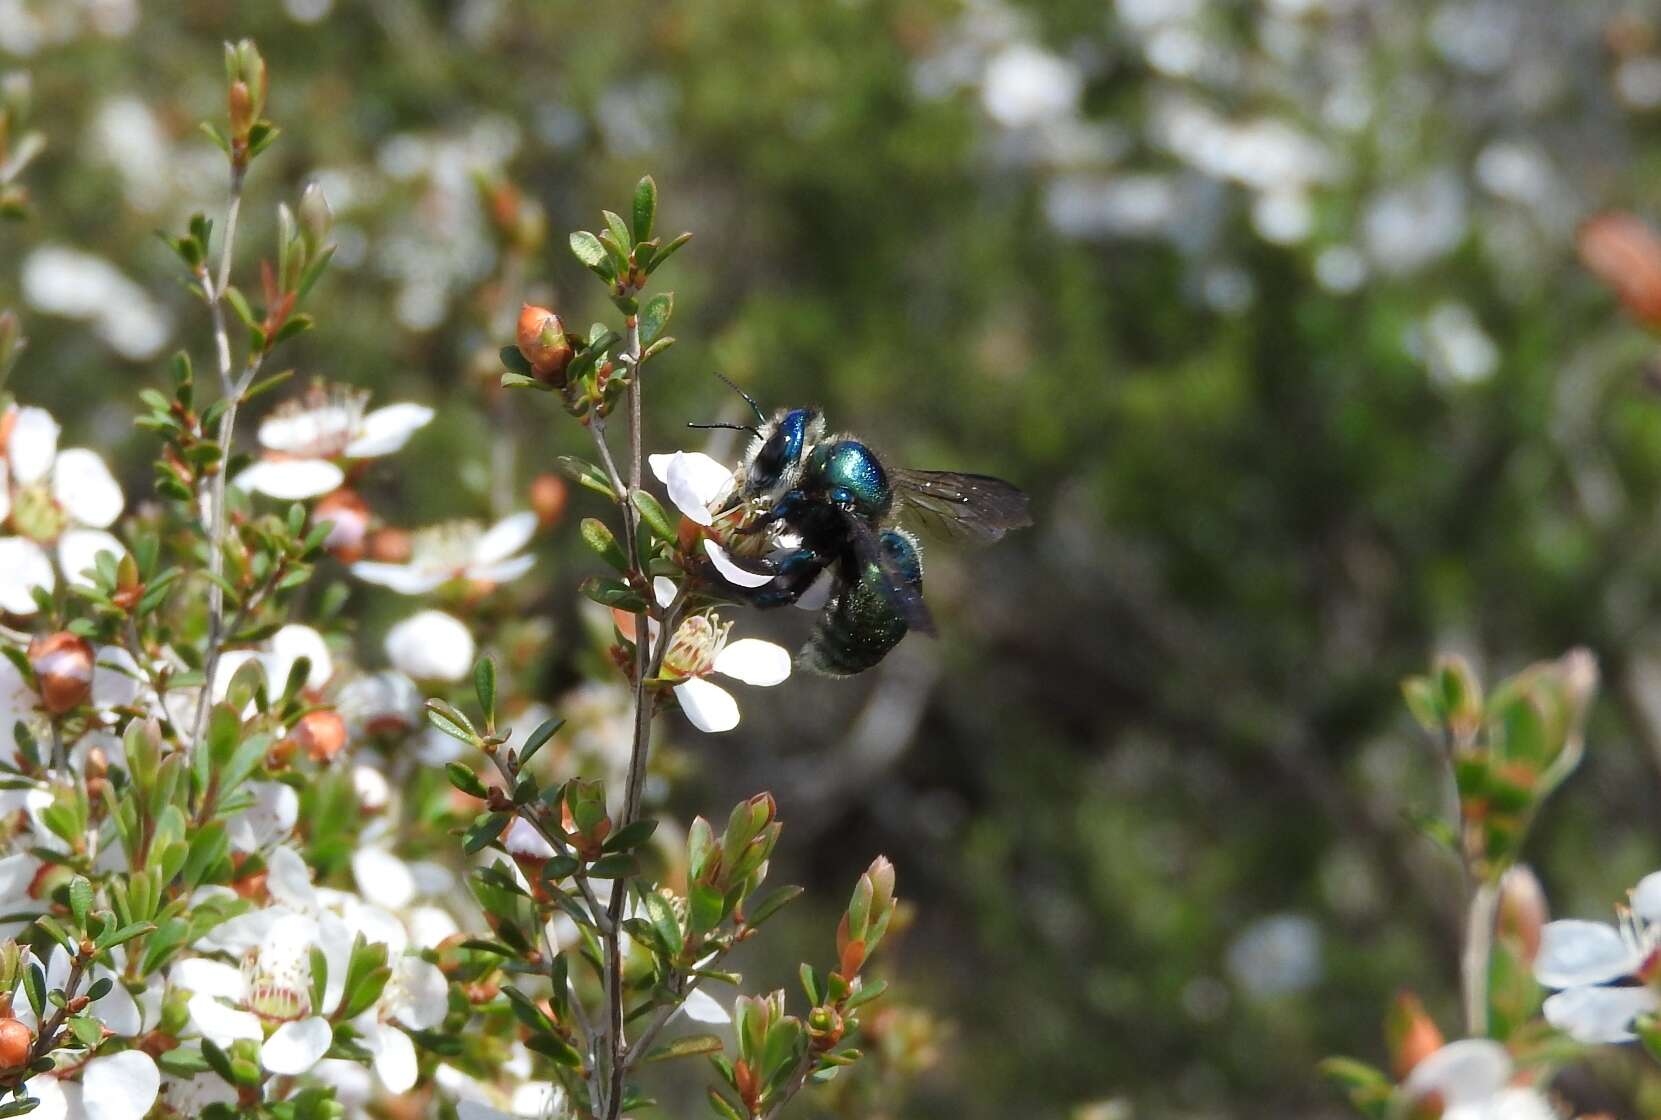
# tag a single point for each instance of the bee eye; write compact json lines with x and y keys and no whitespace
{"x":769,"y":461}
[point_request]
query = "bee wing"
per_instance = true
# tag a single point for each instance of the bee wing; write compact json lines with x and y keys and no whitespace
{"x":972,"y":507}
{"x":906,"y":596}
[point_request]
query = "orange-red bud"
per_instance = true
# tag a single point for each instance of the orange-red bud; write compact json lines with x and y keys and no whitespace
{"x":62,"y":663}
{"x":548,"y":494}
{"x":321,"y":734}
{"x":349,"y":514}
{"x":15,"y":1042}
{"x":1625,"y":254}
{"x":543,"y":343}
{"x":1522,"y":911}
{"x":1411,"y":1034}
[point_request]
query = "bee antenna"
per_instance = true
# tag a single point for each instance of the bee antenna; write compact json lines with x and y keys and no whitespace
{"x":731,"y":427}
{"x":751,"y":401}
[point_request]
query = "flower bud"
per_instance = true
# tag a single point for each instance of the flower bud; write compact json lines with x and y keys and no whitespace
{"x":240,"y":105}
{"x":548,"y":494}
{"x":1522,"y":911}
{"x":389,"y":546}
{"x":1625,"y":253}
{"x":316,"y":219}
{"x":16,"y":1040}
{"x":1410,"y":1034}
{"x":349,"y":515}
{"x":321,"y":734}
{"x":62,"y":664}
{"x":543,"y":343}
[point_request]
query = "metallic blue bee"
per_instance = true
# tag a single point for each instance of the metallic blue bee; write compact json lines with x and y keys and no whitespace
{"x":840,"y":506}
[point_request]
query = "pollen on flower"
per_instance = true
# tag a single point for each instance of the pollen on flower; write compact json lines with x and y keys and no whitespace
{"x":696,"y":644}
{"x":278,"y":975}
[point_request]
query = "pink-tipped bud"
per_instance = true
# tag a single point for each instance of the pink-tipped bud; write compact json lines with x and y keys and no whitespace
{"x":1625,"y":253}
{"x":1522,"y":911}
{"x":62,"y":664}
{"x":1410,"y":1034}
{"x":543,"y":343}
{"x":349,"y":515}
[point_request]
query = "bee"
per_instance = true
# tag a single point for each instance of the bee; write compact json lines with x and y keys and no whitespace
{"x":842,"y":517}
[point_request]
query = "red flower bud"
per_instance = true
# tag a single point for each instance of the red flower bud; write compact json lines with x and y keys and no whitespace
{"x":350,"y":515}
{"x":543,"y":343}
{"x":321,"y":734}
{"x":548,"y":494}
{"x":1625,"y":254}
{"x":15,"y":1042}
{"x":62,"y":663}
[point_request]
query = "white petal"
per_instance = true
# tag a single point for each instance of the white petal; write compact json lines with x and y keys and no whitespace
{"x":754,"y":661}
{"x":523,"y":840}
{"x":48,"y":1090}
{"x":708,"y":707}
{"x":502,"y":571}
{"x":431,"y":645}
{"x":383,"y":878}
{"x":204,"y":977}
{"x":120,"y":1087}
{"x":17,"y":872}
{"x":424,"y":994}
{"x":289,"y":881}
{"x":32,"y":445}
{"x":694,"y":481}
{"x":394,"y":1057}
{"x":504,"y":538}
{"x":297,"y":1046}
{"x":1470,"y":1070}
{"x":336,"y":942}
{"x":473,"y":1110}
{"x":702,"y":1007}
{"x":78,"y":551}
{"x":220,"y":1024}
{"x":293,"y":642}
{"x":115,"y":678}
{"x":239,"y":934}
{"x":268,"y":821}
{"x":1574,"y":952}
{"x":291,"y":480}
{"x":731,"y":572}
{"x":22,"y":566}
{"x":1646,"y":897}
{"x":387,"y":429}
{"x":86,"y":489}
{"x":1596,"y":1015}
{"x":116,"y":1008}
{"x":402,"y":578}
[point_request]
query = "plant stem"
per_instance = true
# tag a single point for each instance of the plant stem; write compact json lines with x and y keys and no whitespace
{"x":1479,"y":941}
{"x":615,"y":1044}
{"x":214,"y":289}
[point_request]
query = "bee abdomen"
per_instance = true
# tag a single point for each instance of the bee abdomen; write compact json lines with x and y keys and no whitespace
{"x":860,"y":624}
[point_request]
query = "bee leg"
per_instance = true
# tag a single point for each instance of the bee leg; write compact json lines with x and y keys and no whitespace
{"x":795,"y":570}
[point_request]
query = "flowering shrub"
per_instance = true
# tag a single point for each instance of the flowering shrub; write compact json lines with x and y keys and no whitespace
{"x":231,"y":871}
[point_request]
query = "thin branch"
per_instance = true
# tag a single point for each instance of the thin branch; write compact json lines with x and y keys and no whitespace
{"x":1479,"y":942}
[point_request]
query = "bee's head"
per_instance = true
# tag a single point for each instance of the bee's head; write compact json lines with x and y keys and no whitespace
{"x":773,"y":463}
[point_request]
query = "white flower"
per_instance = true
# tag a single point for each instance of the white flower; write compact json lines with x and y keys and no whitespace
{"x":1026,"y":85}
{"x":305,"y":440}
{"x":699,"y":486}
{"x":1581,"y":959}
{"x":459,"y":550}
{"x":431,"y":646}
{"x":700,"y":648}
{"x":1471,"y":1078}
{"x":63,"y":499}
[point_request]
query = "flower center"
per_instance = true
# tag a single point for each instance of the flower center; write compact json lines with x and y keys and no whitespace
{"x":36,"y":515}
{"x":317,"y":426}
{"x":447,"y":547}
{"x":278,"y":975}
{"x":696,"y":644}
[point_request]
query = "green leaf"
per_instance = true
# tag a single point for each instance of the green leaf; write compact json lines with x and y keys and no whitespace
{"x":483,"y":831}
{"x":448,"y":720}
{"x":521,"y":381}
{"x":668,"y":251}
{"x":544,"y":731}
{"x":465,"y":780}
{"x":631,"y":836}
{"x":706,"y":906}
{"x":619,"y":230}
{"x":614,"y":866}
{"x":653,"y":515}
{"x":590,"y":252}
{"x":723,"y":1107}
{"x":556,"y":1048}
{"x":515,"y":361}
{"x":599,"y":537}
{"x":484,"y":687}
{"x":866,"y":993}
{"x":80,"y":900}
{"x":655,"y":316}
{"x":663,"y":921}
{"x":586,"y":474}
{"x":645,"y":207}
{"x":612,"y":593}
{"x":685,"y":1047}
{"x":771,"y":904}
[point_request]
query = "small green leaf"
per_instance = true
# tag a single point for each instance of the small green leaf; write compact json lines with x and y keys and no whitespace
{"x":655,"y":316}
{"x":599,"y":537}
{"x":484,"y":687}
{"x":685,"y":1047}
{"x":465,"y":780}
{"x":645,"y":207}
{"x":544,"y":731}
{"x":654,"y":515}
{"x":448,"y":720}
{"x":619,"y":230}
{"x":589,"y":251}
{"x":80,"y":900}
{"x":631,"y":836}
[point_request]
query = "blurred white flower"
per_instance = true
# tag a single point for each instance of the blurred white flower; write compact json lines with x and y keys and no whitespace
{"x":431,"y":646}
{"x":1455,"y":347}
{"x":305,"y":441}
{"x":1583,"y":960}
{"x":1409,"y":226}
{"x":1025,"y":85}
{"x":76,"y":285}
{"x":457,"y":550}
{"x":1277,"y":955}
{"x":50,"y":497}
{"x":1471,"y":1080}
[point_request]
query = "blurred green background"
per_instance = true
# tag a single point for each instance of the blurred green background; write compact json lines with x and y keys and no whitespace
{"x":1273,"y":307}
